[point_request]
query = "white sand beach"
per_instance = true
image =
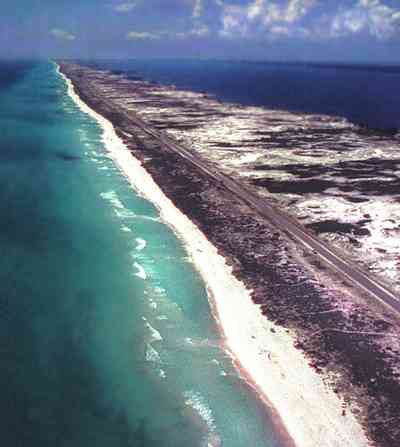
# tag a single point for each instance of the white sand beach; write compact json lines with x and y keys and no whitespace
{"x":310,"y":411}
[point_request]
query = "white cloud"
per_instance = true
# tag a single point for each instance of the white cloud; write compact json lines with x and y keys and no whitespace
{"x":198,"y":31}
{"x":62,"y":34}
{"x":264,"y":17}
{"x":274,"y":19}
{"x":292,"y":12}
{"x":255,"y":9}
{"x":198,"y":9}
{"x":235,"y":21}
{"x":133,"y":35}
{"x":125,"y":7}
{"x":279,"y":31}
{"x":371,"y":16}
{"x":297,"y":9}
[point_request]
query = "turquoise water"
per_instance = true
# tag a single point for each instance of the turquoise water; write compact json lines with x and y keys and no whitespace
{"x":93,"y":351}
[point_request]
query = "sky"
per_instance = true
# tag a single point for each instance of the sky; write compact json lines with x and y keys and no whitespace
{"x":288,"y":30}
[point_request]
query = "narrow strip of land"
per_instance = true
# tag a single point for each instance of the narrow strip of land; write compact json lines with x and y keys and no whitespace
{"x":333,"y":259}
{"x":348,"y":334}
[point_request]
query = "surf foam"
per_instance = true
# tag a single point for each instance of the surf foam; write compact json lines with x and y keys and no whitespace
{"x":310,"y":411}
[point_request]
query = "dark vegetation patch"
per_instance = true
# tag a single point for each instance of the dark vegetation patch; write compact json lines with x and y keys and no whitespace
{"x":364,"y":176}
{"x":359,"y":169}
{"x":356,"y":199}
{"x":294,"y":187}
{"x":377,"y":132}
{"x":334,"y":226}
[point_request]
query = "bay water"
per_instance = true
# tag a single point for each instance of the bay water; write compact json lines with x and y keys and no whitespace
{"x":363,"y":94}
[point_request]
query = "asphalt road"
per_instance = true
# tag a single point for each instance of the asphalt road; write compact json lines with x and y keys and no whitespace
{"x":331,"y":257}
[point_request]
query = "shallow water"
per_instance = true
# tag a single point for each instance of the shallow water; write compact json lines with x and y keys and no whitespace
{"x":107,"y":335}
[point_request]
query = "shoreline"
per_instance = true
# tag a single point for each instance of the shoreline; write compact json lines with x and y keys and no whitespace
{"x":252,"y":340}
{"x":196,"y":244}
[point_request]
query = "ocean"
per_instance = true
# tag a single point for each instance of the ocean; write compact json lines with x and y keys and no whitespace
{"x":107,"y":335}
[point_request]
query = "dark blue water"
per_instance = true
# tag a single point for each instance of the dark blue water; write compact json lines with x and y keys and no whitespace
{"x":366,"y":95}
